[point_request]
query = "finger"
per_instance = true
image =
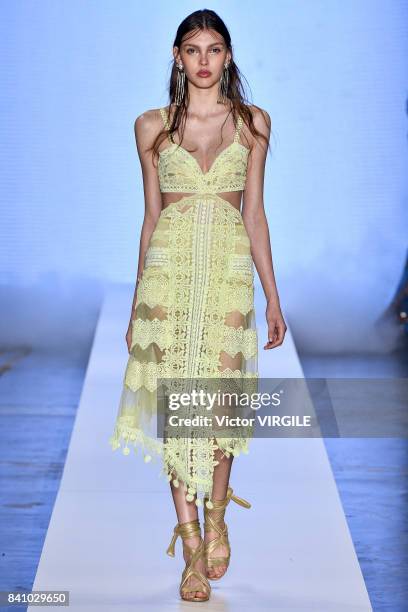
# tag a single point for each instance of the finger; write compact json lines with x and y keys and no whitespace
{"x":275,"y":338}
{"x":279,"y":333}
{"x":271,"y":339}
{"x":273,"y":332}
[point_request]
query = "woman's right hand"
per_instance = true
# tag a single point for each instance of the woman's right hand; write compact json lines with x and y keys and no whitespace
{"x":129,"y":335}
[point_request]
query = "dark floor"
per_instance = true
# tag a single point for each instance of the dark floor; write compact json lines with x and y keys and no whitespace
{"x":39,"y":396}
{"x":371,"y":476}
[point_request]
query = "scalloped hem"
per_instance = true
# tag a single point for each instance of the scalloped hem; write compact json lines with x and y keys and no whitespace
{"x":197,"y":492}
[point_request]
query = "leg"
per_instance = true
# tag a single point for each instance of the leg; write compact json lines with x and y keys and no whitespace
{"x":221,"y":478}
{"x":222,"y":471}
{"x":186,"y":512}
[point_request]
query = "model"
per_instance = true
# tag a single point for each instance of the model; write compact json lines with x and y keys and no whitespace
{"x":193,"y":311}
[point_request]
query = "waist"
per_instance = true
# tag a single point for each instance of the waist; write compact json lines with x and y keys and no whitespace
{"x":204,"y":197}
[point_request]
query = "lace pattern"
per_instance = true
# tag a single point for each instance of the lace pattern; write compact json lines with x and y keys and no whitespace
{"x":194,"y":318}
{"x":179,"y":171}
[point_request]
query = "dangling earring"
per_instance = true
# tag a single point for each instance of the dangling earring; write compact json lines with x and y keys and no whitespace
{"x":181,"y":77}
{"x":223,"y":87}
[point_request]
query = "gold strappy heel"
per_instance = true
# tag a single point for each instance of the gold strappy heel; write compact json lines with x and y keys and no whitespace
{"x":189,"y":530}
{"x":213,"y":518}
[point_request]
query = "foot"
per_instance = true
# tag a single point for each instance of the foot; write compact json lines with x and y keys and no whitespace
{"x":219,"y":551}
{"x":199,"y":566}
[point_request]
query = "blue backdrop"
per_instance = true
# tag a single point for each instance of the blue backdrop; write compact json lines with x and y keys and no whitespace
{"x":331,"y":74}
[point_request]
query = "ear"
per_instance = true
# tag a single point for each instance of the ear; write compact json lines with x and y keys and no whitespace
{"x":176,"y":55}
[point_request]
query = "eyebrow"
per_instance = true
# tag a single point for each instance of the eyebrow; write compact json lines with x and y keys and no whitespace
{"x":197,"y":47}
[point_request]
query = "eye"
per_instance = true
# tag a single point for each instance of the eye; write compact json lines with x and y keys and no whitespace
{"x":190,"y":49}
{"x":217,"y":49}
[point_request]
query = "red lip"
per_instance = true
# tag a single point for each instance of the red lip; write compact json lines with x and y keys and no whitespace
{"x":203,"y":73}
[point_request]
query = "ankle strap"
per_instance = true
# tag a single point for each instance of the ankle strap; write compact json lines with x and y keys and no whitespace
{"x":185,"y":530}
{"x":220,"y":504}
{"x":190,"y":529}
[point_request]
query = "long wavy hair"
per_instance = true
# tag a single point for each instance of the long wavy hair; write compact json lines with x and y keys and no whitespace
{"x":207,"y":19}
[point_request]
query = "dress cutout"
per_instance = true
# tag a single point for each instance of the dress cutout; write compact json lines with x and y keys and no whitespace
{"x":194,"y":316}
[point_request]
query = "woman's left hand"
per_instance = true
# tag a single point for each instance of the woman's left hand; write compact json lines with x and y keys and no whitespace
{"x":276,"y":325}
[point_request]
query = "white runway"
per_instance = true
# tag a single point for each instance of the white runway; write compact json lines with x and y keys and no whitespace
{"x":113,"y":517}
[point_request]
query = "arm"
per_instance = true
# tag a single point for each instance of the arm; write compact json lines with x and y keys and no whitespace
{"x":146,"y":128}
{"x":256,"y":224}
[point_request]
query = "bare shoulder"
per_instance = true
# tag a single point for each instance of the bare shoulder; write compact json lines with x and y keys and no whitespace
{"x":262,"y":120}
{"x":262,"y":123}
{"x":146,"y":127}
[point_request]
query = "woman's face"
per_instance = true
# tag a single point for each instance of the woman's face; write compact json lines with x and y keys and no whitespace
{"x":205,"y":51}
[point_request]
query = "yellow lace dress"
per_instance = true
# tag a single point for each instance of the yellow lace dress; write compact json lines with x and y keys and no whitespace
{"x":194,"y":314}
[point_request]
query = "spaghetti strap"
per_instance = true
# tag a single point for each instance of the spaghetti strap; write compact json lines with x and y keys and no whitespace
{"x":166,"y":123}
{"x":238,"y":129}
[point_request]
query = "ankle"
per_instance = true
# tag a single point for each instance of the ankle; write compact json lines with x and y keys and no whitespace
{"x":190,"y":544}
{"x":192,"y":541}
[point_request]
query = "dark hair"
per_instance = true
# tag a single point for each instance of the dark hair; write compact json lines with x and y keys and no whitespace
{"x":206,"y":19}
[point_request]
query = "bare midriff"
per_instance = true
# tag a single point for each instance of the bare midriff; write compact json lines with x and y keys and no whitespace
{"x":233,"y":197}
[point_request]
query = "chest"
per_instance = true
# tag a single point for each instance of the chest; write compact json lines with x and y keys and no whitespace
{"x":179,"y":170}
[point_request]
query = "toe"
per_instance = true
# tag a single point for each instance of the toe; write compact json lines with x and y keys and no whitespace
{"x":188,"y":595}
